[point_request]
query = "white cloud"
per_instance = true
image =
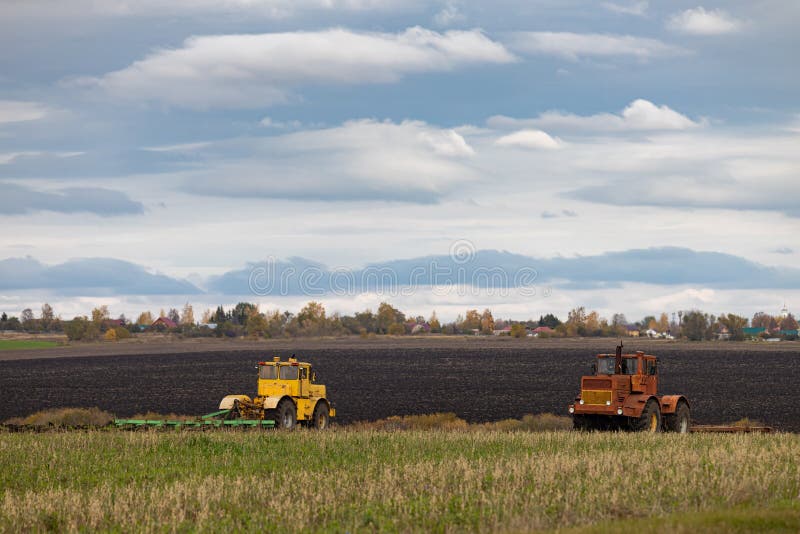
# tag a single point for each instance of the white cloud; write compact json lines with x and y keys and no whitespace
{"x":359,"y":160}
{"x":536,"y":139}
{"x":272,"y":9}
{"x":244,"y":71}
{"x":449,"y":15}
{"x":638,"y":115}
{"x":573,"y":46}
{"x":21,"y":111}
{"x":698,"y":21}
{"x":267,"y":122}
{"x":635,"y":8}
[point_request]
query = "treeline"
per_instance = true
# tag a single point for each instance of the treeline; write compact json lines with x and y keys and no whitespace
{"x":246,"y":319}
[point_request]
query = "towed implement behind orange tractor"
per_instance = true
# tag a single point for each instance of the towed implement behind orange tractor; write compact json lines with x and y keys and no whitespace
{"x":622,"y":393}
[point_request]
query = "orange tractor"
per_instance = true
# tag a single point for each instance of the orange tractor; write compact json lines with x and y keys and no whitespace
{"x":622,"y":393}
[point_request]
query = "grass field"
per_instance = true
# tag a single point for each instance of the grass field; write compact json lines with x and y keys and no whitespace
{"x":25,"y":344}
{"x":364,"y":480}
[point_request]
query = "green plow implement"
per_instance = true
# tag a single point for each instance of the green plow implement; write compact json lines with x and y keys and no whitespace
{"x":212,"y":420}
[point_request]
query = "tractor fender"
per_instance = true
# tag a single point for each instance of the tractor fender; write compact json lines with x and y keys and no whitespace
{"x":634,"y":404}
{"x":270,"y":403}
{"x":227,"y":402}
{"x":669,"y":403}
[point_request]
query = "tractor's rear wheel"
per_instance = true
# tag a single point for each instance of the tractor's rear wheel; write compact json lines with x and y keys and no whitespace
{"x":286,"y":415}
{"x":679,"y":421}
{"x":321,"y":417}
{"x":650,"y":420}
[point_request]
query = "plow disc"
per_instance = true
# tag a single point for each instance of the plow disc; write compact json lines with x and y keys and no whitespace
{"x":218,"y":419}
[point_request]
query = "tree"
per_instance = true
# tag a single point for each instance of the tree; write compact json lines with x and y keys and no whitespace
{"x":174,"y":316}
{"x":549,"y":320}
{"x":649,"y":322}
{"x":312,"y":319}
{"x":436,"y":326}
{"x":257,"y":325}
{"x":396,"y":329}
{"x":81,"y":329}
{"x":389,"y":316}
{"x":619,"y":324}
{"x":695,"y":325}
{"x":206,"y":317}
{"x":187,"y":317}
{"x":26,"y":316}
{"x":576,"y":322}
{"x":100,"y":314}
{"x":472,"y":321}
{"x":487,"y":322}
{"x":663,"y":323}
{"x":518,"y":330}
{"x":592,"y":324}
{"x":242,"y":311}
{"x":761,"y":320}
{"x":47,"y":316}
{"x":145,"y":319}
{"x":789,"y":323}
{"x":735,"y":325}
{"x":4,"y":318}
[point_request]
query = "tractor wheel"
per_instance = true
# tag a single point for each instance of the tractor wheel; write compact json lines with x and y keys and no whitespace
{"x":650,"y":420}
{"x":679,"y":421}
{"x":321,"y":416}
{"x":286,"y":415}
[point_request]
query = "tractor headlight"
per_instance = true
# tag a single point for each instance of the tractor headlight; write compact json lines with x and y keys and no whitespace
{"x":571,"y":409}
{"x":608,"y":403}
{"x":619,"y":411}
{"x":581,"y":401}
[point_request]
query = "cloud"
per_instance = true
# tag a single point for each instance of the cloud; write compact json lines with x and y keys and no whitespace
{"x":574,"y":46}
{"x":783,"y":250}
{"x":535,"y":139}
{"x":635,"y":8}
{"x":556,"y":215}
{"x":638,"y":115}
{"x":17,"y":199}
{"x":271,"y":9}
{"x":698,"y":21}
{"x":89,"y":276}
{"x":486,"y":269}
{"x":359,"y":160}
{"x":449,"y":14}
{"x":250,"y":71}
{"x":21,"y":111}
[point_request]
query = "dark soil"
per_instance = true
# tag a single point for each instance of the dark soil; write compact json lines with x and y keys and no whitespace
{"x":477,"y":383}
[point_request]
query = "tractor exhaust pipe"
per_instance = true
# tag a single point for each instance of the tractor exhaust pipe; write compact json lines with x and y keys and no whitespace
{"x":618,"y":359}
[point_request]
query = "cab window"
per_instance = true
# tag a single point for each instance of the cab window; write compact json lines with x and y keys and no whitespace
{"x":605,"y":366}
{"x":630,"y":366}
{"x":289,"y":372}
{"x":268,"y":372}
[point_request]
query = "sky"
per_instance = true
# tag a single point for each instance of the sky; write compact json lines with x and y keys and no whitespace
{"x":626,"y":156}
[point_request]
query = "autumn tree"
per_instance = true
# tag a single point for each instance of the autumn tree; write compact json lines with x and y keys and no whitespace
{"x":487,"y":322}
{"x":187,"y":317}
{"x":389,"y":316}
{"x":257,"y":325}
{"x":472,"y":321}
{"x":592,"y":324}
{"x":206,"y":317}
{"x":576,"y":322}
{"x":145,"y":319}
{"x":549,"y":320}
{"x":518,"y":330}
{"x":434,"y":323}
{"x":788,"y":323}
{"x":735,"y":325}
{"x":174,"y":316}
{"x":662,"y":325}
{"x":761,"y":320}
{"x":100,"y":314}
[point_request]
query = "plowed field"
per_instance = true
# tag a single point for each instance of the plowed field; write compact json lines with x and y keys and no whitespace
{"x":477,"y":383}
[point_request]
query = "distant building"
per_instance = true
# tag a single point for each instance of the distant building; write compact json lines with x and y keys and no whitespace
{"x":164,"y":322}
{"x":632,"y":330}
{"x":542,"y":330}
{"x":506,"y":331}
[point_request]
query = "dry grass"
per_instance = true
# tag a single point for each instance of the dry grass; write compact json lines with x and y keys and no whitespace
{"x":65,"y":417}
{"x":370,"y":480}
{"x":449,"y":421}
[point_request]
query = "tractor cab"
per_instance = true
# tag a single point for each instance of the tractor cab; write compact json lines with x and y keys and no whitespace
{"x":285,"y":378}
{"x":627,"y":372}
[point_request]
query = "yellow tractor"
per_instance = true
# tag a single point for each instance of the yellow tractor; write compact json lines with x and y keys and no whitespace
{"x":287,"y":394}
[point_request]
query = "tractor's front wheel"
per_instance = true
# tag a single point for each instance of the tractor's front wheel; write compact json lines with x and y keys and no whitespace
{"x":286,"y":415}
{"x":650,"y":420}
{"x":322,"y":416}
{"x":679,"y":421}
